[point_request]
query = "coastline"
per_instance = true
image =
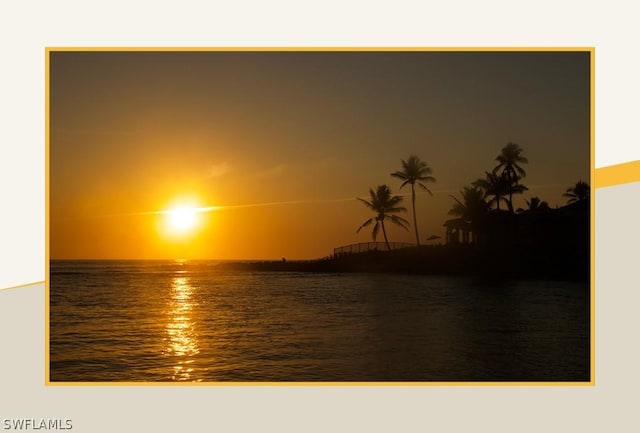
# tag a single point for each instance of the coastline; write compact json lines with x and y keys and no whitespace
{"x":453,"y":260}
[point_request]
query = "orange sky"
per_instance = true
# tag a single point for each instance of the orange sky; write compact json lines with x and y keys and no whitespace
{"x":283,"y":142}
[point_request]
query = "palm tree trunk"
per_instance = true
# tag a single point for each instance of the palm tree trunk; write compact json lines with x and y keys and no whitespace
{"x":415,"y":221}
{"x":510,"y":192}
{"x":384,"y":232}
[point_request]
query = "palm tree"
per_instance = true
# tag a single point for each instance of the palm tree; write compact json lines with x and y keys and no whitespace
{"x":384,"y":205}
{"x":472,"y":207}
{"x":414,"y":170}
{"x":509,"y":162}
{"x":578,"y":192}
{"x":495,"y":186}
{"x":535,"y":205}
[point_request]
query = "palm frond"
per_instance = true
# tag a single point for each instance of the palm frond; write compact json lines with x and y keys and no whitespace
{"x":393,"y":201}
{"x":399,"y":174}
{"x":456,"y":199}
{"x":396,"y":209}
{"x":374,"y":233}
{"x":427,"y":178}
{"x":423,"y":186}
{"x":414,"y":169}
{"x":365,"y":224}
{"x":367,"y":203}
{"x":519,"y":169}
{"x":518,"y":189}
{"x":400,"y":221}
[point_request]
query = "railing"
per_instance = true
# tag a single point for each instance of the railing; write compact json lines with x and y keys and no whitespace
{"x":369,"y":246}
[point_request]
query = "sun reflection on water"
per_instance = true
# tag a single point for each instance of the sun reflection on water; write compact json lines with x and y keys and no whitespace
{"x":182,"y":341}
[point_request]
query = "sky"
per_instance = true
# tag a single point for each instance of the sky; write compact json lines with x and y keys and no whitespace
{"x":277,"y":145}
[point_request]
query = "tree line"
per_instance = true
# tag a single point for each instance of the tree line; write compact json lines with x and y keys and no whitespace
{"x":484,"y":196}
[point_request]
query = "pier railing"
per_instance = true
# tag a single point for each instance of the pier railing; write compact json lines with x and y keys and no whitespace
{"x":369,"y":246}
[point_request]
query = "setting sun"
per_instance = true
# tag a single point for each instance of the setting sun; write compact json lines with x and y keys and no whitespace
{"x":183,"y":222}
{"x":182,"y":218}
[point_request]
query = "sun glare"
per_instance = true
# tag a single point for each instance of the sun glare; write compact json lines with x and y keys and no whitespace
{"x":182,"y":219}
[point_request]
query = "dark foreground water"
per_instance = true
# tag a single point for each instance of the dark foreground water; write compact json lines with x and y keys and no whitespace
{"x":187,"y":321}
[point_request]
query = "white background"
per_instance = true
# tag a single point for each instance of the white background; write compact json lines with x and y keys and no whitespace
{"x":28,"y":27}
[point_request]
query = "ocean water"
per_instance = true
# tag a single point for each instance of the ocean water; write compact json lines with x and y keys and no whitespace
{"x":189,"y":321}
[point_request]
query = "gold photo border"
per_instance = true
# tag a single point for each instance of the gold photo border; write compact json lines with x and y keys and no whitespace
{"x":602,"y":177}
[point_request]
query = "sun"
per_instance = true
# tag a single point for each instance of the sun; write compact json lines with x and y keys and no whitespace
{"x":183,"y":219}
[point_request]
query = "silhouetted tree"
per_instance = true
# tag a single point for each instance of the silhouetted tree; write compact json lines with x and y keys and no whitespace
{"x":578,"y":192}
{"x":384,"y":205}
{"x":509,"y":167}
{"x":414,"y":170}
{"x":472,"y":208}
{"x":535,"y":205}
{"x":493,"y":185}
